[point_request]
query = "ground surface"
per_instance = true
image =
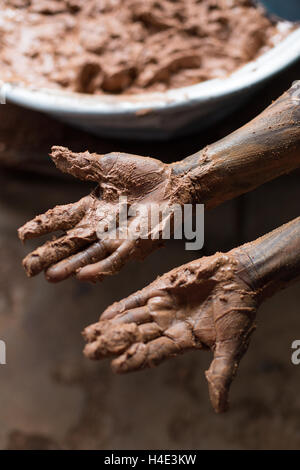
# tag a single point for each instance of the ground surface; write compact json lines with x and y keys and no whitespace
{"x":52,"y":397}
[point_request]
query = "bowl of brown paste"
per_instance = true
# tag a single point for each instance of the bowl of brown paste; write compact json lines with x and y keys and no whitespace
{"x":139,"y":69}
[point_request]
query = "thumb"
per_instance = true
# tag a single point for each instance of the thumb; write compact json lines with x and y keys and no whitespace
{"x":223,"y":368}
{"x":83,"y":165}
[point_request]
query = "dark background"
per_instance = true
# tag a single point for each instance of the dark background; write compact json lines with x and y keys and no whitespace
{"x":51,"y":396}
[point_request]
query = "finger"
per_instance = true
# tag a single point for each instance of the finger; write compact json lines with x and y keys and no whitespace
{"x":114,"y":339}
{"x":147,"y":303}
{"x":141,"y":355}
{"x":111,"y":340}
{"x":137,"y":315}
{"x":83,"y":165}
{"x":60,"y":218}
{"x":149,"y":331}
{"x":69,"y":266}
{"x":110,"y":265}
{"x":138,"y":299}
{"x":54,"y":251}
{"x":223,"y":368}
{"x":91,"y":332}
{"x":234,"y":324}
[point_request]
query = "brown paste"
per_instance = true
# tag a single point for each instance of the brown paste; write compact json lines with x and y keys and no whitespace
{"x":128,"y":46}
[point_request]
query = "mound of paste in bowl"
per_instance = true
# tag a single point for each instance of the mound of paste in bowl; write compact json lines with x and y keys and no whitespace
{"x":128,"y":46}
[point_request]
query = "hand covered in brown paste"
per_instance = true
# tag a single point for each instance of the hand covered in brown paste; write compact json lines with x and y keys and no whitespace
{"x":265,"y":148}
{"x":81,"y":249}
{"x":202,"y":305}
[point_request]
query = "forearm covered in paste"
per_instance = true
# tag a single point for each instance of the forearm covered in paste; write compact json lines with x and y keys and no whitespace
{"x":272,"y":262}
{"x":265,"y":148}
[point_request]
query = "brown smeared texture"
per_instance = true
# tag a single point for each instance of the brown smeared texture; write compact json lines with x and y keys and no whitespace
{"x":208,"y":303}
{"x":201,"y":305}
{"x":263,"y":149}
{"x":267,"y":147}
{"x":142,"y":180}
{"x":128,"y":46}
{"x":272,"y":262}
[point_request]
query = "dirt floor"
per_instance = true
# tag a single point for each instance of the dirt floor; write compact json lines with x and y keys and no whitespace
{"x":52,"y":397}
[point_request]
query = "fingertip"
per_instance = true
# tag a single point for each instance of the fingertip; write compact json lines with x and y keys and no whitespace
{"x":21,"y":234}
{"x":91,"y":351}
{"x":31,"y":264}
{"x":131,"y":360}
{"x":60,"y":156}
{"x":112,"y":310}
{"x":116,"y":366}
{"x":91,"y":332}
{"x":55,"y":274}
{"x":120,"y":365}
{"x":109,"y":314}
{"x":57,"y":153}
{"x":217,"y":393}
{"x":60,"y":271}
{"x":28,"y":231}
{"x":89,"y":274}
{"x":57,"y":149}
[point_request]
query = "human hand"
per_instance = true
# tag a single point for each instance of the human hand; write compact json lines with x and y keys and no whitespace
{"x":142,"y":180}
{"x":202,"y":305}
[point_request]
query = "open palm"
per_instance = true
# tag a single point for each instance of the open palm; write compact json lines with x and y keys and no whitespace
{"x":201,"y":305}
{"x":80,"y":249}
